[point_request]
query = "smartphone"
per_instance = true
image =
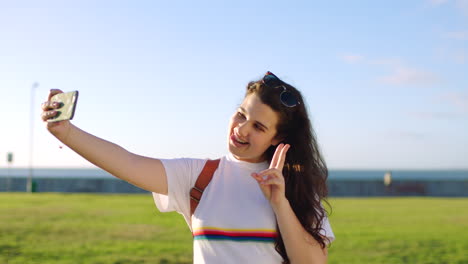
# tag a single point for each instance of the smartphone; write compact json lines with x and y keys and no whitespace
{"x":66,"y":110}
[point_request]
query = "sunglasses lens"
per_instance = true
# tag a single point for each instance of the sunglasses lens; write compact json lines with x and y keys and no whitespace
{"x":271,"y":81}
{"x":288,"y":99}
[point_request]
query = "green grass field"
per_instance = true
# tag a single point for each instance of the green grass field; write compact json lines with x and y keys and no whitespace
{"x":118,"y":229}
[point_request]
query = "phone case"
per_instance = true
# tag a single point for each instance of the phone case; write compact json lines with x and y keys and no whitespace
{"x":67,"y":101}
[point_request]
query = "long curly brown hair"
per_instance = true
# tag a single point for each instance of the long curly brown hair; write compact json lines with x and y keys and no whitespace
{"x":305,"y":171}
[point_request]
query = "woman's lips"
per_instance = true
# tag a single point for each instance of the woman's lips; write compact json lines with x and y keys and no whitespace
{"x":236,"y":142}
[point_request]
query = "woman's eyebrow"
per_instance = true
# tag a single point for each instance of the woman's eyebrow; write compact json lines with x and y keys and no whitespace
{"x":262,"y":125}
{"x":256,"y":122}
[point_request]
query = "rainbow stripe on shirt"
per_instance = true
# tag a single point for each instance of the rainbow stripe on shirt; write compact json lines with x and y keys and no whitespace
{"x":239,"y":235}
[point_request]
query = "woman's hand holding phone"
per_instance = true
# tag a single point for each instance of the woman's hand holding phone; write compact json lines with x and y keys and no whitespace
{"x":49,"y":111}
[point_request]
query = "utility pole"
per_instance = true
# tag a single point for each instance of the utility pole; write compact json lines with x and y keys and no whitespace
{"x":10,"y":161}
{"x":29,"y":187}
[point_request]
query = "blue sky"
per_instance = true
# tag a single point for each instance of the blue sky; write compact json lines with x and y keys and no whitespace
{"x":385,"y":81}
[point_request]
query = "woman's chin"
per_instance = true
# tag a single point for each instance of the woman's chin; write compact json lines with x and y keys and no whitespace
{"x":242,"y":157}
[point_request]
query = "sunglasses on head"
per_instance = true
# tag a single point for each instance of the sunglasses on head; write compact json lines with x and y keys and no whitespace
{"x":286,"y":97}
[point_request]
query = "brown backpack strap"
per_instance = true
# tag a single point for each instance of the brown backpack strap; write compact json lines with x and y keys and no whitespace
{"x":202,"y":181}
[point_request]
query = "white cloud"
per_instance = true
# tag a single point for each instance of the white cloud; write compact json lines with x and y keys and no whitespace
{"x":437,"y":2}
{"x":453,"y":55}
{"x":462,"y":5}
{"x":357,"y":58}
{"x":461,"y":35}
{"x":410,"y":76}
{"x":393,"y":62}
{"x":353,"y":58}
{"x":400,"y":134}
{"x":401,"y":74}
{"x":460,"y":56}
{"x":435,"y":115}
{"x":457,"y":100}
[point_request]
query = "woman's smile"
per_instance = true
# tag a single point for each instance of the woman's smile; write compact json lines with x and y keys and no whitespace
{"x":237,"y":141}
{"x":252,"y":130}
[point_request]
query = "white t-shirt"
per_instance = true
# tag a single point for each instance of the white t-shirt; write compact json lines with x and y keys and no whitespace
{"x":234,"y":222}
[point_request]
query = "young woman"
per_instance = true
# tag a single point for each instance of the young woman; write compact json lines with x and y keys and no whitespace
{"x":263,"y":204}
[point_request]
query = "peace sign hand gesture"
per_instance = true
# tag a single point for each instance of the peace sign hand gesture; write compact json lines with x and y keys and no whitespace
{"x":271,"y":180}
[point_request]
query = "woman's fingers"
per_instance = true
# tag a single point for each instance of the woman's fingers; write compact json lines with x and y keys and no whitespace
{"x":53,"y":92}
{"x":48,"y":105}
{"x":268,"y":178}
{"x":272,"y":181}
{"x":268,"y":173}
{"x":282,"y":157}
{"x":276,"y":155}
{"x":48,"y":114}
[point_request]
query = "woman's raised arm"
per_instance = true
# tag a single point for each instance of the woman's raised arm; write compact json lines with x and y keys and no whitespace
{"x":143,"y":172}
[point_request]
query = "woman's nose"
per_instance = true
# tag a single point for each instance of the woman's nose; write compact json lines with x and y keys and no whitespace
{"x":242,"y":129}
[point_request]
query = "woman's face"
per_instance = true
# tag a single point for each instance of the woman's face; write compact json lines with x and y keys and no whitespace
{"x":252,"y":130}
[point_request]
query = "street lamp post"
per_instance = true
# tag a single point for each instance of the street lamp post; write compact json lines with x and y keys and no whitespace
{"x":29,"y":183}
{"x":10,"y":161}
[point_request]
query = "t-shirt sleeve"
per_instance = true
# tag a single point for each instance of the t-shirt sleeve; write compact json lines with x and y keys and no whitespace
{"x":181,"y":176}
{"x":327,"y":231}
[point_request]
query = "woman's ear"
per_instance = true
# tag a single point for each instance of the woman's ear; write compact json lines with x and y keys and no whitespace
{"x":276,"y":140}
